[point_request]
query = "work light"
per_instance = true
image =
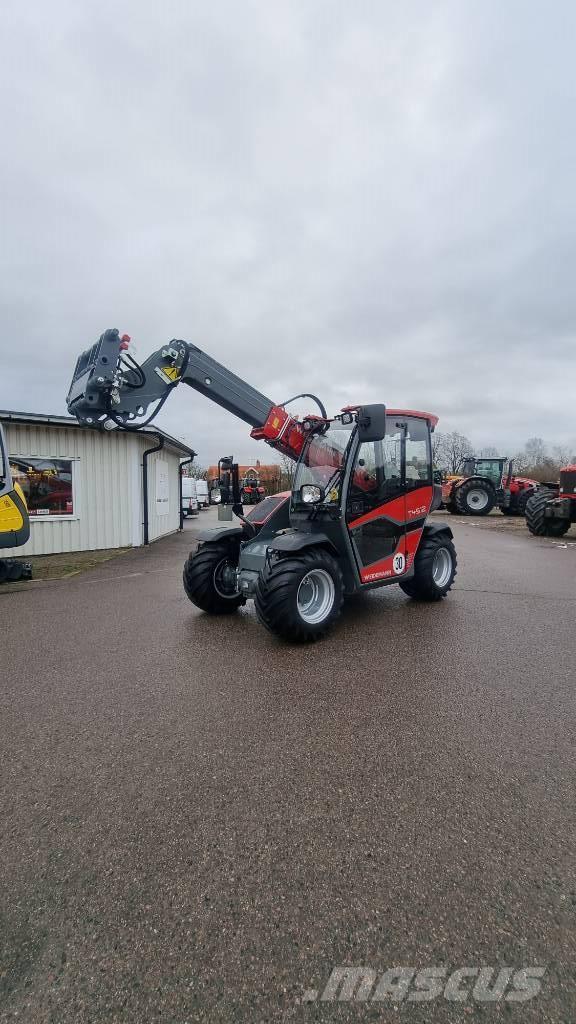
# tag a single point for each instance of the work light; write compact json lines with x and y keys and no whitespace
{"x":311,"y":494}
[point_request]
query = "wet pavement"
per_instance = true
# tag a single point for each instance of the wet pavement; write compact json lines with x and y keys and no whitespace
{"x":200,"y":823}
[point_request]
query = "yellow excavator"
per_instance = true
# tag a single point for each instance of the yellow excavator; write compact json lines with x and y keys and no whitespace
{"x":14,"y":520}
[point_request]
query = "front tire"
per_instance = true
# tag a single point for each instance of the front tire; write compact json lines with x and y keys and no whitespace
{"x":536,"y":520}
{"x":434,"y":569}
{"x":209,"y":578}
{"x":475,"y":498}
{"x":299,"y":598}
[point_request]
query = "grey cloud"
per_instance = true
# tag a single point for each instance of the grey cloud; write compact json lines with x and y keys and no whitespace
{"x":371,"y":201}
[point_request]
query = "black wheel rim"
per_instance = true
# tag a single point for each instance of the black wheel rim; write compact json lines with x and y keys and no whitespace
{"x":224,"y":577}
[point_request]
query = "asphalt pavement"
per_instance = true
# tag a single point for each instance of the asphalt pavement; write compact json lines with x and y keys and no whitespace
{"x":198,"y":823}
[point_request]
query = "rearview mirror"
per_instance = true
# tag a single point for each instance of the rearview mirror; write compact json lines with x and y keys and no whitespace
{"x":372,"y":423}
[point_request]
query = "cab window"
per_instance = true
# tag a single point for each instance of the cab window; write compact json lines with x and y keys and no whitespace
{"x":377,"y":473}
{"x":418,"y":457}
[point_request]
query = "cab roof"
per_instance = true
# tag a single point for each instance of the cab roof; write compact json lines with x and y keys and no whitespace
{"x":432,"y":419}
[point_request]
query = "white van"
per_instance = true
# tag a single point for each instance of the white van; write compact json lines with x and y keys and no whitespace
{"x":189,"y":497}
{"x":202,"y":493}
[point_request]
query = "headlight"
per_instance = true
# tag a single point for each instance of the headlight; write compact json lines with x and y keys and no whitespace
{"x":310,"y":494}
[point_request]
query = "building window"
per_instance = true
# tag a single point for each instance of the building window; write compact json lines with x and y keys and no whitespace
{"x":48,"y":485}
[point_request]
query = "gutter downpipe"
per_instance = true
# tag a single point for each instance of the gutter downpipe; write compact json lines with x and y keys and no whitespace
{"x":186,"y":462}
{"x":149,"y":451}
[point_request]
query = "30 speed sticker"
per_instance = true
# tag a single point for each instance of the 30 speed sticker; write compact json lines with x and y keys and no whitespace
{"x":398,"y":564}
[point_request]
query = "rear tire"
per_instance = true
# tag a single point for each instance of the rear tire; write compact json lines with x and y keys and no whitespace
{"x":299,"y":598}
{"x":209,"y":581}
{"x":537,"y":522}
{"x":518,"y":506}
{"x":523,"y":499}
{"x":475,"y":498}
{"x":434,"y":569}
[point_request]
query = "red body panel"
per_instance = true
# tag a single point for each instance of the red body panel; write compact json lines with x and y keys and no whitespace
{"x":281,"y":431}
{"x":390,"y":566}
{"x":413,"y":505}
{"x":404,"y":510}
{"x":520,"y":483}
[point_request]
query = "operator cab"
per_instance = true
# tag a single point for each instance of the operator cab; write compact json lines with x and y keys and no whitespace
{"x":366,"y":478}
{"x":494,"y":469}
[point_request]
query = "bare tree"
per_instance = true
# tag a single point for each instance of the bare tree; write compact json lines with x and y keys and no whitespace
{"x":536,"y":460}
{"x":287,"y":467}
{"x":451,"y":450}
{"x":563,"y":455}
{"x":195,"y":471}
{"x":535,"y":451}
{"x":437,"y":449}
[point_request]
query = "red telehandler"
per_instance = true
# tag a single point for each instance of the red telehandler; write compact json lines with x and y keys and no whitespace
{"x":357,"y":515}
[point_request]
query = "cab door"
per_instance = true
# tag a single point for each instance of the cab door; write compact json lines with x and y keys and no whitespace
{"x":389,"y":496}
{"x":376,"y":505}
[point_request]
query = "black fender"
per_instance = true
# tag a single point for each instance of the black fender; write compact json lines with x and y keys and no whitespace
{"x":219,"y":533}
{"x":300,"y":541}
{"x":435,"y":529}
{"x":436,"y":497}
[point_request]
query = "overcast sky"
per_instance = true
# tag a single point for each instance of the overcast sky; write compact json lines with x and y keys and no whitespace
{"x":372,"y":201}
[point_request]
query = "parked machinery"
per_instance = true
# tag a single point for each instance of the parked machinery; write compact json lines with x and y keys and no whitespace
{"x":226,"y":489}
{"x":357,"y":515}
{"x":14,"y":520}
{"x":251,"y":490}
{"x":189,"y":497}
{"x":551,"y":510}
{"x":484,"y":484}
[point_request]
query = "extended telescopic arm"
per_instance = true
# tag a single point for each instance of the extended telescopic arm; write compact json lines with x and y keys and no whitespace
{"x":110,"y":389}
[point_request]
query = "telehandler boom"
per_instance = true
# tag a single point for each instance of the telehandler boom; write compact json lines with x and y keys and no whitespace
{"x":356,"y":517}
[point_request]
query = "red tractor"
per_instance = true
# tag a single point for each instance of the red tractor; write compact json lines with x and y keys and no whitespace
{"x":484,"y":484}
{"x":356,"y":517}
{"x":551,"y":510}
{"x":251,"y":489}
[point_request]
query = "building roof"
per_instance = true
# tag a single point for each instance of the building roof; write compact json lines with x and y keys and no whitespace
{"x":31,"y":418}
{"x":264,"y":470}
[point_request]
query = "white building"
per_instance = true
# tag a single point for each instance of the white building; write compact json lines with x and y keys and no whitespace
{"x":89,"y":489}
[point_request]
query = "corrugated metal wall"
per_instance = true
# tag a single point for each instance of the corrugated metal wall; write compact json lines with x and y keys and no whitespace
{"x":160,"y":525}
{"x":108,"y":508}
